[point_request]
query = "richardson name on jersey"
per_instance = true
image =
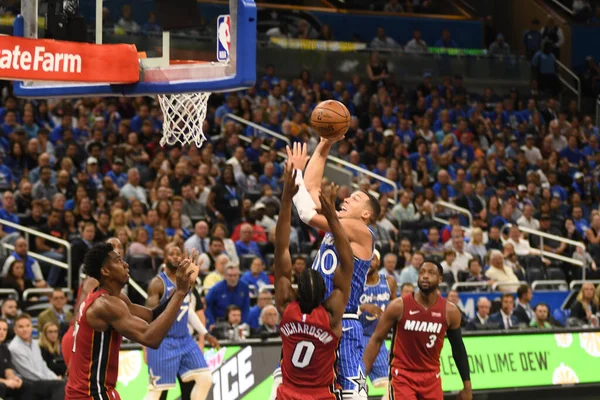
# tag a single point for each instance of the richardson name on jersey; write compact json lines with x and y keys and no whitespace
{"x":292,"y":328}
{"x":40,"y":59}
{"x":422,"y":326}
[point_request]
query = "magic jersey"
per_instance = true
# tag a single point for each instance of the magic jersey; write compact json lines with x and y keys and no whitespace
{"x":179,"y":329}
{"x":379,"y":295}
{"x":327,"y":261}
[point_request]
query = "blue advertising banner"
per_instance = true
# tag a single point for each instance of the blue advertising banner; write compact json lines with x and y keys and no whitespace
{"x":554,"y":299}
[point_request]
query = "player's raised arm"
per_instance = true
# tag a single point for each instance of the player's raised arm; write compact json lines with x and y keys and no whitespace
{"x":390,"y":316}
{"x":113,"y":311}
{"x":337,"y":300}
{"x":282,"y":263}
{"x":459,"y":352}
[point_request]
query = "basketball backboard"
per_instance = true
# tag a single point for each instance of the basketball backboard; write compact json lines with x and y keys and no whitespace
{"x":230,"y":65}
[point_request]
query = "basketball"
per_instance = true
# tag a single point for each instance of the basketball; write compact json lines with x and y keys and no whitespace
{"x":330,"y":119}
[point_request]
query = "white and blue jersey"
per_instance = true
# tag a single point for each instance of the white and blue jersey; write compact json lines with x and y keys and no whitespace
{"x":351,"y":369}
{"x":379,"y":295}
{"x":178,"y":354}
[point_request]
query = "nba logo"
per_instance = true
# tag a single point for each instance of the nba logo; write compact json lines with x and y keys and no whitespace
{"x":223,"y":37}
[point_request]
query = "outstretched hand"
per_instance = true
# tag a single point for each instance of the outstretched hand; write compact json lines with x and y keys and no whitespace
{"x":327,"y":208}
{"x":290,"y":188}
{"x":298,"y":155}
{"x":187,"y":271}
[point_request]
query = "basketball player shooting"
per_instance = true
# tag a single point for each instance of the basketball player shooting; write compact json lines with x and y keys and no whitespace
{"x":178,"y":354}
{"x":312,"y":322}
{"x":104,"y":317}
{"x":356,"y":214}
{"x":420,"y":321}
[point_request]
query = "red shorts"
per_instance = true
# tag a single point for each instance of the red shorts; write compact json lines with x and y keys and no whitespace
{"x":295,"y":393}
{"x":111,"y":393}
{"x":67,"y":346}
{"x":415,"y":385}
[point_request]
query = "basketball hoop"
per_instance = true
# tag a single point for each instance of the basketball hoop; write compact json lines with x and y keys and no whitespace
{"x":184,"y":115}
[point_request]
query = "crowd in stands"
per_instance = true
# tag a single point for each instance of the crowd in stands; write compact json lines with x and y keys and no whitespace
{"x":88,"y":169}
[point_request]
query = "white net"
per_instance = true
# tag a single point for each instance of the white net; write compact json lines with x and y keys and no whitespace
{"x":183,"y":115}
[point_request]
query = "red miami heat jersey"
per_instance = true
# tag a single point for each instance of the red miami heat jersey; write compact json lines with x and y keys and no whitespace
{"x":95,"y":360}
{"x":309,"y":347}
{"x":419,"y":337}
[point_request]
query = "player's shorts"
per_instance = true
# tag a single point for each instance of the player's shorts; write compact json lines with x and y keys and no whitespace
{"x":380,"y":371}
{"x":110,"y":392}
{"x":350,"y":366}
{"x":67,"y":345}
{"x":175,"y":356}
{"x":287,"y":392}
{"x":409,"y":385}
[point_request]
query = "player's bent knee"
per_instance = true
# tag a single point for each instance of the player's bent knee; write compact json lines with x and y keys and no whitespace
{"x":201,"y":377}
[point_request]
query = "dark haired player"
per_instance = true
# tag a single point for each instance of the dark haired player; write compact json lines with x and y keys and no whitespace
{"x":87,"y":285}
{"x":105,"y":316}
{"x":356,"y":213}
{"x":311,"y":323}
{"x":420,"y":321}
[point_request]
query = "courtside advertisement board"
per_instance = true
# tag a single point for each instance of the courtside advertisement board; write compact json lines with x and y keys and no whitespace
{"x":497,"y":362}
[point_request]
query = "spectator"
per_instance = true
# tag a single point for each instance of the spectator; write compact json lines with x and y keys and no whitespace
{"x":29,"y":364}
{"x":221,"y":262}
{"x":199,"y":240}
{"x":382,"y":41}
{"x":481,"y":320}
{"x":269,"y":323}
{"x":50,"y":347}
{"x":544,"y":64}
{"x":446,"y":40}
{"x":246,"y":245}
{"x":57,"y":313}
{"x":32,"y":271}
{"x":220,"y":231}
{"x":532,"y":39}
{"x":390,"y":263}
{"x":227,"y":292}
{"x":476,"y":246}
{"x":126,"y":24}
{"x":406,"y":289}
{"x":116,"y":173}
{"x":433,"y":247}
{"x":264,"y":298}
{"x":256,"y":276}
{"x":416,"y":44}
{"x":232,"y":328}
{"x":586,"y":306}
{"x":520,"y":245}
{"x":527,"y":220}
{"x":523,"y":311}
{"x":453,"y":298}
{"x":542,"y":313}
{"x":589,"y":265}
{"x":11,"y":386}
{"x":475,"y":271}
{"x":44,"y":188}
{"x":377,"y":71}
{"x":553,"y":34}
{"x":10,"y":311}
{"x":404,"y":212}
{"x":8,"y":211}
{"x":410,"y":273}
{"x":500,"y":273}
{"x":132,"y":190}
{"x":393,"y":6}
{"x":225,"y":200}
{"x":151,"y":26}
{"x":15,"y":278}
{"x":47,"y":247}
{"x":499,"y":47}
{"x":505,"y":317}
{"x":207,"y":260}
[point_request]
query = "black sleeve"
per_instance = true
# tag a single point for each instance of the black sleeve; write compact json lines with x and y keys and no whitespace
{"x":199,"y":303}
{"x":577,"y":311}
{"x":459,"y":353}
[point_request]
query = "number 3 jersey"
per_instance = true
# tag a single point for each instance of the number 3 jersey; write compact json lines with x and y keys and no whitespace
{"x":309,"y":347}
{"x":418,"y":337}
